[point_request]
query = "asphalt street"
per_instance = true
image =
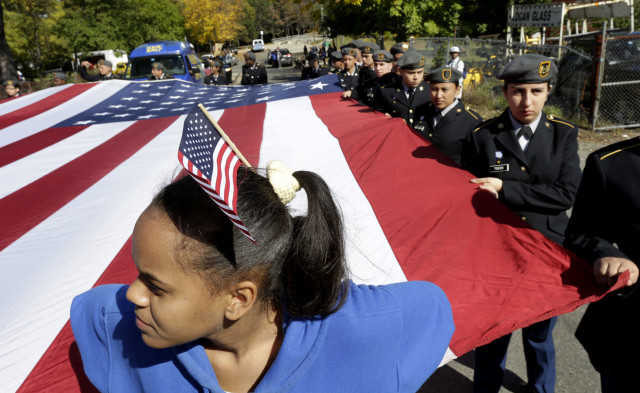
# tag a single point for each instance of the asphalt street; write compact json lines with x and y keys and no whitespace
{"x":574,"y":371}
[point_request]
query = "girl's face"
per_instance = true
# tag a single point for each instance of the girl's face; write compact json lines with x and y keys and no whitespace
{"x":173,"y":306}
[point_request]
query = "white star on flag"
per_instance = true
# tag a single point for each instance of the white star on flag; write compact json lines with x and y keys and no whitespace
{"x":318,"y":85}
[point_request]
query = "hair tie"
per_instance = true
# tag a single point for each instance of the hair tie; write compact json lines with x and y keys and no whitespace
{"x":282,"y":181}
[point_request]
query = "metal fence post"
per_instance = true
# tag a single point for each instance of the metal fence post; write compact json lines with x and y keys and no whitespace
{"x":601,"y":64}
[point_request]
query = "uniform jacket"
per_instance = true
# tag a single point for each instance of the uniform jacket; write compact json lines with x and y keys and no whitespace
{"x":221,"y":80}
{"x":371,"y":88}
{"x":349,"y":82}
{"x":308,"y":73}
{"x":539,"y":184}
{"x":607,"y":211}
{"x":163,"y":77}
{"x":365,"y":75}
{"x":82,"y":70}
{"x":393,"y":100}
{"x":254,"y":76}
{"x":384,"y":339}
{"x":452,"y":134}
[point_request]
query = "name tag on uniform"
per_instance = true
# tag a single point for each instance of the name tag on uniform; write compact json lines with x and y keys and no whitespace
{"x":499,"y":168}
{"x":419,"y":128}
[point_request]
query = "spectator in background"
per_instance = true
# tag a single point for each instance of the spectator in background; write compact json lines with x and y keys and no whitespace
{"x":59,"y":78}
{"x":457,"y":63}
{"x":104,"y":67}
{"x":158,"y":72}
{"x":12,"y":88}
{"x":306,"y":51}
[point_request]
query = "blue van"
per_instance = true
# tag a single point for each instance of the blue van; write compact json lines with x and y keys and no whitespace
{"x":179,"y":58}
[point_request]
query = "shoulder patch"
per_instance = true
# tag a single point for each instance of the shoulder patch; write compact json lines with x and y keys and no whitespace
{"x":559,"y":120}
{"x":486,"y":123}
{"x":472,"y":112}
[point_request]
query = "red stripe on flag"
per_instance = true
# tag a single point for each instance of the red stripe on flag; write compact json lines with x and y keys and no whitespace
{"x":29,"y":145}
{"x":27,"y":207}
{"x":512,"y":275}
{"x":43,"y":105}
{"x":244,"y":127}
{"x":60,"y":368}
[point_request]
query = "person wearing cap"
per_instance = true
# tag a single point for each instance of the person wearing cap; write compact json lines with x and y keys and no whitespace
{"x":158,"y":72}
{"x":445,"y":121}
{"x":59,"y":78}
{"x":398,"y":50}
{"x":348,"y":77}
{"x":400,"y":98}
{"x":253,"y":73}
{"x":529,"y":160}
{"x":457,"y":63}
{"x":383,"y":67}
{"x":12,"y":88}
{"x":314,"y":70}
{"x":366,"y":72}
{"x":104,"y":68}
{"x":216,"y":78}
{"x":336,"y":62}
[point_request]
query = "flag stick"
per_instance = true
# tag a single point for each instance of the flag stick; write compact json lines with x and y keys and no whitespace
{"x":225,"y":137}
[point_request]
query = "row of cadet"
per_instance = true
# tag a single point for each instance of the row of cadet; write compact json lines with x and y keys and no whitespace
{"x":528,"y":160}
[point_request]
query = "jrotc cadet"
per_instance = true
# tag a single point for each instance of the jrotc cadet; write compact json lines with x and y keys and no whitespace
{"x":366,"y":71}
{"x":315,"y":70}
{"x":528,"y":160}
{"x":253,"y":73}
{"x":158,"y":72}
{"x":216,"y":78}
{"x":604,"y":231}
{"x":357,"y":44}
{"x":12,"y":88}
{"x":348,"y":77}
{"x":59,"y":78}
{"x":104,"y":66}
{"x":409,"y":91}
{"x":336,"y":62}
{"x":398,"y":50}
{"x":383,"y":66}
{"x":445,"y":121}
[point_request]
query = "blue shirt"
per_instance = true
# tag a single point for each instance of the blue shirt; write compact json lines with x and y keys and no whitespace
{"x":384,"y":339}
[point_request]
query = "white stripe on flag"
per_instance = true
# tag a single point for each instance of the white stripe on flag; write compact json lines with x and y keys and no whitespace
{"x":31,"y":98}
{"x":369,"y":254}
{"x":58,"y":259}
{"x":223,"y":173}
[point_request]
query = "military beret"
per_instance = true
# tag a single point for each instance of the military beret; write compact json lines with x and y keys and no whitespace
{"x":382,"y":56}
{"x":11,"y":82}
{"x":158,"y":66}
{"x":349,"y":52}
{"x":336,"y":54}
{"x":410,"y":61}
{"x":529,"y":68}
{"x":106,"y":63}
{"x":313,"y":56}
{"x":401,"y":47}
{"x":444,"y":74}
{"x":357,"y":43}
{"x":369,"y":47}
{"x":217,"y":64}
{"x":60,"y":75}
{"x":250,"y":55}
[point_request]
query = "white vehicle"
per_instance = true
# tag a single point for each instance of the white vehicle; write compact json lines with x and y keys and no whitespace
{"x":257,"y":46}
{"x":114,"y":56}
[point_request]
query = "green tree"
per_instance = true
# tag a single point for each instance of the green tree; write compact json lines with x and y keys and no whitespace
{"x":7,"y":63}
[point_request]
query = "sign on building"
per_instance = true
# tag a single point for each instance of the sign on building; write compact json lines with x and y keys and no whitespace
{"x":538,"y":15}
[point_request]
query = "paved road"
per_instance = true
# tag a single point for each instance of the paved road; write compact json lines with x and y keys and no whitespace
{"x":574,"y":371}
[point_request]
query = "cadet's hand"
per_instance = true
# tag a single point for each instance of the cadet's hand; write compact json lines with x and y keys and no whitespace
{"x":346,"y":94}
{"x":388,"y":115}
{"x":85,"y":63}
{"x":607,"y":270}
{"x":491,"y":184}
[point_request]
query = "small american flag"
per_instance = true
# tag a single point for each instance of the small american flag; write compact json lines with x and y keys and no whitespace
{"x":212,"y":163}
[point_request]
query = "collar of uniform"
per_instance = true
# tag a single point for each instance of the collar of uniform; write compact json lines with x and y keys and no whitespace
{"x":447,"y":109}
{"x":406,"y":88}
{"x":517,"y":125}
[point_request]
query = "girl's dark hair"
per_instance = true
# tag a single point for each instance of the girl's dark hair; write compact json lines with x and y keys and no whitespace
{"x":298,"y":262}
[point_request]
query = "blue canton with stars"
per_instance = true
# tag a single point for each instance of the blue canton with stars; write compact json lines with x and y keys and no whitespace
{"x":198,"y":141}
{"x":148,"y":100}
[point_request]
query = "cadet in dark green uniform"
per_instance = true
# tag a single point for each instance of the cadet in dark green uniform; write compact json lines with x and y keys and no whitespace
{"x":383,"y":67}
{"x":399,"y":49}
{"x":366,"y":71}
{"x":348,"y":77}
{"x":409,"y":91}
{"x":314,"y":70}
{"x":253,"y":73}
{"x":336,"y":62}
{"x":529,"y":160}
{"x":158,"y":72}
{"x":104,"y":67}
{"x":216,"y":78}
{"x":445,"y":121}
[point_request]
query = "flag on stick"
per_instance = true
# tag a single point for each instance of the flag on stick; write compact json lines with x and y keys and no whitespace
{"x":210,"y":157}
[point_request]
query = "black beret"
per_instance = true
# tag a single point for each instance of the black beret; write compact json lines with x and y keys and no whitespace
{"x":444,"y":74}
{"x":336,"y":54}
{"x":313,"y":56}
{"x":401,"y":47}
{"x":410,"y":61}
{"x":369,"y":47}
{"x":529,"y":68}
{"x":382,"y":56}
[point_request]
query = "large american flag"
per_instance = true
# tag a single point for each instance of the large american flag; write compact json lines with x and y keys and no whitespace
{"x":79,"y":163}
{"x":211,"y":161}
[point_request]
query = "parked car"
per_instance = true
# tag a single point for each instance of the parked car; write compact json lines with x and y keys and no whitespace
{"x":257,"y":46}
{"x":286,"y":59}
